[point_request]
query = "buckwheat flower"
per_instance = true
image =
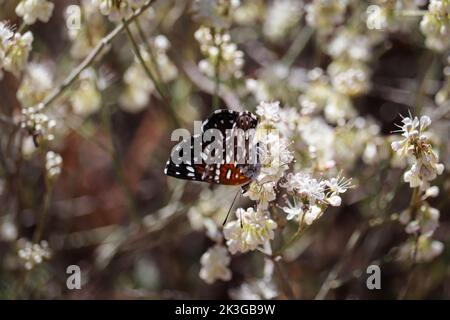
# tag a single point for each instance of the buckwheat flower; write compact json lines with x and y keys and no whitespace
{"x":435,"y":25}
{"x":281,"y":16}
{"x":336,"y":186}
{"x":250,"y":230}
{"x":17,"y":51}
{"x":8,"y":230}
{"x":32,"y":10}
{"x":36,"y":84}
{"x":86,"y":99}
{"x":294,"y":210}
{"x":215,"y":264}
{"x":5,"y":35}
{"x":325,"y":14}
{"x":219,"y":52}
{"x":53,"y":164}
{"x":263,"y":193}
{"x":321,"y":140}
{"x":274,"y":154}
{"x":116,"y":10}
{"x":427,"y":249}
{"x":349,"y":43}
{"x":415,"y":145}
{"x":289,"y":119}
{"x":257,"y":289}
{"x":305,"y":186}
{"x":33,"y":254}
{"x":215,"y":13}
{"x":269,"y":111}
{"x":38,"y":124}
{"x":312,"y":214}
{"x":426,"y":220}
{"x":350,"y":78}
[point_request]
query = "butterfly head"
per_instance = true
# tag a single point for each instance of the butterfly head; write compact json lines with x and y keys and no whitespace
{"x":246,"y":120}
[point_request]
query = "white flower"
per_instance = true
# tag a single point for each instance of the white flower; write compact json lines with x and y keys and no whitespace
{"x":335,"y":187}
{"x":215,"y":13}
{"x":5,"y":35}
{"x":294,"y":211}
{"x":274,"y":155}
{"x":269,"y":111}
{"x":33,"y":254}
{"x":415,"y":145}
{"x":313,"y":213}
{"x":281,"y":16}
{"x":115,"y":10}
{"x":427,"y":249}
{"x":215,"y":264}
{"x":32,"y":10}
{"x":325,"y":14}
{"x":305,"y":186}
{"x":8,"y":230}
{"x":36,"y":84}
{"x":53,"y":164}
{"x":262,"y":193}
{"x":250,"y":230}
{"x":258,"y":289}
{"x":18,"y":50}
{"x":86,"y":99}
{"x":38,"y":124}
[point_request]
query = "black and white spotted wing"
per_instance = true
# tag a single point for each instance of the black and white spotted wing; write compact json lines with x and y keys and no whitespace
{"x":223,"y":173}
{"x":221,"y":119}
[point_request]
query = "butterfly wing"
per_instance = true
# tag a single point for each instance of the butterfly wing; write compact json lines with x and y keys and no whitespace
{"x":222,"y":119}
{"x":187,"y":170}
{"x":224,"y":173}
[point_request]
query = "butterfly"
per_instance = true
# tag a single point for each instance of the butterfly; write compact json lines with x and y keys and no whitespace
{"x":226,"y":172}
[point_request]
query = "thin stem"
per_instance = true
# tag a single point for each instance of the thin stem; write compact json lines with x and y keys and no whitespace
{"x":22,"y":27}
{"x":217,"y":78}
{"x":284,"y":279}
{"x":68,"y":81}
{"x":297,"y":46}
{"x":412,"y":13}
{"x":47,"y":196}
{"x":152,"y":57}
{"x":165,"y":99}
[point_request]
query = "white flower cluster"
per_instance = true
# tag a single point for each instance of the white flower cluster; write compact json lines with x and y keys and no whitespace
{"x":416,"y":147}
{"x":33,"y":254}
{"x":215,"y":13}
{"x":386,"y":15}
{"x":435,"y":25}
{"x":116,"y":10}
{"x":38,"y":124}
{"x":281,"y":16}
{"x":53,"y":164}
{"x":86,"y":99}
{"x":222,"y":55}
{"x":424,"y":249}
{"x":329,"y":95}
{"x":37,"y":82}
{"x":14,"y":49}
{"x":311,"y":196}
{"x":420,"y":219}
{"x":324,"y":15}
{"x":252,"y":229}
{"x":215,"y":262}
{"x":138,"y":86}
{"x":32,"y":10}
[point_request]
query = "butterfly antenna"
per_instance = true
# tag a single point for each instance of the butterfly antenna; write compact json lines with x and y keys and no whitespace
{"x":231,"y":207}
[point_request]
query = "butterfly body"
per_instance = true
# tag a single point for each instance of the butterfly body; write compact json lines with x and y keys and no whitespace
{"x":227,"y":171}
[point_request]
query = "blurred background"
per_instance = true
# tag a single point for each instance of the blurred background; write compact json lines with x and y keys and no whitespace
{"x":137,"y":234}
